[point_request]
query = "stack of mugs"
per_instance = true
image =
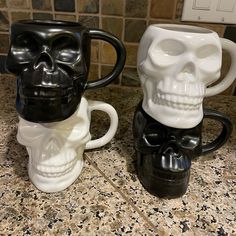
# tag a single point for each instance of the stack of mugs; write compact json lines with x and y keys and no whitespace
{"x":51,"y":60}
{"x":176,"y":65}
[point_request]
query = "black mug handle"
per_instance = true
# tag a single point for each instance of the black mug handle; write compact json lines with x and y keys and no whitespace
{"x":120,"y":60}
{"x":227,"y":128}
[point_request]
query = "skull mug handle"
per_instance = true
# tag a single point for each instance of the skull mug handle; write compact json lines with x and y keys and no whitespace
{"x":101,"y":106}
{"x":120,"y":60}
{"x":227,"y":128}
{"x":230,"y":47}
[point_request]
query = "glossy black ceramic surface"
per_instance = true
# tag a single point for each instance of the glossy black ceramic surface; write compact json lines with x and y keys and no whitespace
{"x":164,"y":153}
{"x":51,"y":60}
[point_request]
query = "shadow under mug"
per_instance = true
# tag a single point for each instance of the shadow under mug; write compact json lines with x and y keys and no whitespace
{"x":164,"y":154}
{"x":51,"y":60}
{"x":56,"y":149}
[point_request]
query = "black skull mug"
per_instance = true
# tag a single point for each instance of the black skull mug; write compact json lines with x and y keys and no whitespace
{"x":51,"y":60}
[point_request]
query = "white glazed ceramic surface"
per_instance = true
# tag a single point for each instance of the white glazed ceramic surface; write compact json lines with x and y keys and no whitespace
{"x":56,"y":149}
{"x":176,"y":63}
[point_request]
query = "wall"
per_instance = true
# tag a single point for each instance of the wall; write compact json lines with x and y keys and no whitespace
{"x":127,"y":19}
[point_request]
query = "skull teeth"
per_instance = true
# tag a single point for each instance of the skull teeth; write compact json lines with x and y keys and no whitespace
{"x":177,"y":101}
{"x":54,"y":171}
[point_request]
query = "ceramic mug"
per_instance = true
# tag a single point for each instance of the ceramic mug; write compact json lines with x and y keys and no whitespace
{"x":176,"y":65}
{"x":56,"y":149}
{"x":51,"y":60}
{"x":164,"y":154}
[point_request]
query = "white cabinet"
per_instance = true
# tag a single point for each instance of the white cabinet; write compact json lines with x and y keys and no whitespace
{"x":217,"y":11}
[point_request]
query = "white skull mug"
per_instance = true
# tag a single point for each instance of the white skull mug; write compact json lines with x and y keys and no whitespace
{"x":176,"y":64}
{"x":56,"y":149}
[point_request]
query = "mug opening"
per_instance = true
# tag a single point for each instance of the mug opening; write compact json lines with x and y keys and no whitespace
{"x":184,"y":28}
{"x":49,"y":23}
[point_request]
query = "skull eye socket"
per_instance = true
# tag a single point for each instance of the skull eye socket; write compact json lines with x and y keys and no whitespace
{"x":25,"y":47}
{"x":166,"y":52}
{"x":29,"y":131}
{"x":154,"y":135}
{"x":206,"y":51}
{"x":189,"y":142}
{"x":170,"y":47}
{"x":26,"y":42}
{"x":65,"y":48}
{"x":209,"y":59}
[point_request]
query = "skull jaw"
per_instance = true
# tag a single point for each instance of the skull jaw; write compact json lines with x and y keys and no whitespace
{"x":176,"y":118}
{"x":160,"y":182}
{"x":55,"y":184}
{"x":46,"y":110}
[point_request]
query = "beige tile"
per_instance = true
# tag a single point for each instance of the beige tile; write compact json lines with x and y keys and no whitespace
{"x":4,"y":43}
{"x":108,"y":54}
{"x":15,"y":16}
{"x":42,"y":5}
{"x":108,"y":24}
{"x":112,"y":7}
{"x":94,"y":50}
{"x":18,"y":4}
{"x":163,"y":9}
{"x":136,"y":8}
{"x":66,"y":6}
{"x":89,"y":21}
{"x":4,"y":21}
{"x":131,"y":54}
{"x":65,"y":17}
{"x":134,"y":30}
{"x":88,"y":6}
{"x":3,"y":3}
{"x":42,"y":16}
{"x":93,"y":72}
{"x":130,"y":77}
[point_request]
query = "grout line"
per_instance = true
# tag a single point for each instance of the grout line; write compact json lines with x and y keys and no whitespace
{"x":31,"y":9}
{"x":148,"y":12}
{"x":53,"y":10}
{"x":122,"y":194}
{"x":123,"y":38}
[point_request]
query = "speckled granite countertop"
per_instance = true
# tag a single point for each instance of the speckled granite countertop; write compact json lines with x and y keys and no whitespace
{"x":107,"y":198}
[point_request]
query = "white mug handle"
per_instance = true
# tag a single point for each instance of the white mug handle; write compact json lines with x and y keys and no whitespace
{"x":230,"y":47}
{"x":102,"y":106}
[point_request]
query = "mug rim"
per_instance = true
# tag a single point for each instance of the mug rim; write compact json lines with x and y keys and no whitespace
{"x":192,"y":29}
{"x":59,"y":23}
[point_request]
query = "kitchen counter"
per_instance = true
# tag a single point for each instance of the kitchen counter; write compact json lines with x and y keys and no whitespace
{"x":107,"y":198}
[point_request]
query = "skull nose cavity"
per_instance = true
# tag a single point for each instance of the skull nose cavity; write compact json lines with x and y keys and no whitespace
{"x":52,"y":148}
{"x":44,"y":60}
{"x":188,"y":72}
{"x":189,"y":68}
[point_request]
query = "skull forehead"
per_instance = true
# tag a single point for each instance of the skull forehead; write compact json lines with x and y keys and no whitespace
{"x":154,"y":36}
{"x":46,"y":31}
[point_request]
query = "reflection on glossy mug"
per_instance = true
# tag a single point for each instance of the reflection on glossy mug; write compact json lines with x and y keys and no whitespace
{"x":51,"y":60}
{"x":176,"y":64}
{"x":56,"y":149}
{"x":164,"y":153}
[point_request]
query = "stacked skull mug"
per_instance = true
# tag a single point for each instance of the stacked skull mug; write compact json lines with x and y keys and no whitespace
{"x":177,"y":65}
{"x":51,"y":60}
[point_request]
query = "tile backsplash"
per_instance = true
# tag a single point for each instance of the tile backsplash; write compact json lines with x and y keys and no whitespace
{"x":127,"y":19}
